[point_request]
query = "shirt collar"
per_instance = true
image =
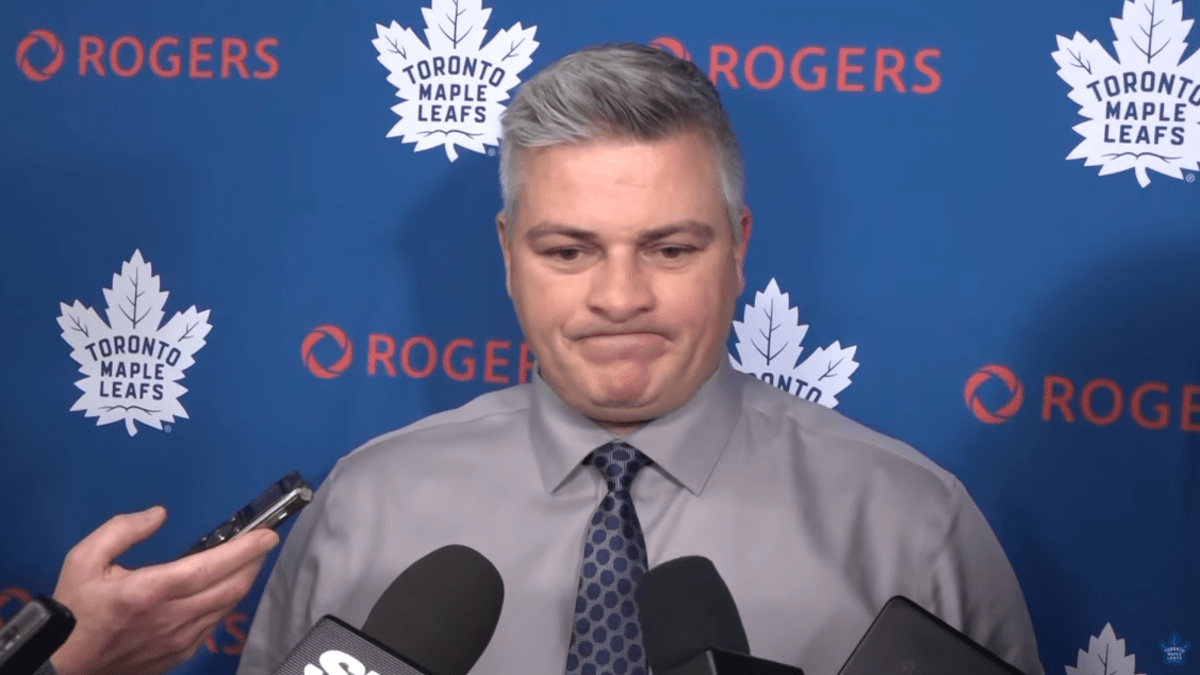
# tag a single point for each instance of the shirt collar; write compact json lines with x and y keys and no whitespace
{"x":685,"y":443}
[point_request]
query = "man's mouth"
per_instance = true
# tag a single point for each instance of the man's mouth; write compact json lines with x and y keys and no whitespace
{"x":623,"y":345}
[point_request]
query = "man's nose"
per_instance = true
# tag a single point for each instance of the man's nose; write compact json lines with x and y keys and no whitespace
{"x":620,"y":288}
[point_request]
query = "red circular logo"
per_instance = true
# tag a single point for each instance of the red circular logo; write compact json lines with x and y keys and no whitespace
{"x":670,"y":44}
{"x":319,"y":333}
{"x":31,"y":71}
{"x":1015,"y":389}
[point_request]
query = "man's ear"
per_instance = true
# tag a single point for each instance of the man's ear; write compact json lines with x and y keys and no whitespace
{"x":502,"y":232}
{"x":745,"y":225}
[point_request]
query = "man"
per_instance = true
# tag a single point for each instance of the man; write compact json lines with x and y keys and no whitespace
{"x":623,"y":234}
{"x":146,"y":621}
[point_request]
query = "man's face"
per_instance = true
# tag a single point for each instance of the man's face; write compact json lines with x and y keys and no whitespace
{"x":624,"y":273}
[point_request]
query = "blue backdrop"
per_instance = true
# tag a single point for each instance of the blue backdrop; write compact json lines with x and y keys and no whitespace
{"x":210,"y":239}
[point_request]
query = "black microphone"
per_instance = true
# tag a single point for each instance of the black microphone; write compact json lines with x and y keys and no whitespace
{"x":691,"y":625}
{"x":441,"y":611}
{"x":33,"y":635}
{"x":436,"y":618}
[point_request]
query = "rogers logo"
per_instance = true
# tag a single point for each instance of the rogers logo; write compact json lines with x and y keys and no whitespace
{"x":1101,"y":401}
{"x":200,"y":57}
{"x":338,"y":367}
{"x":461,"y":359}
{"x":670,"y":44}
{"x":816,"y":68}
{"x":9,"y":594}
{"x":1015,"y":389}
{"x":56,"y":47}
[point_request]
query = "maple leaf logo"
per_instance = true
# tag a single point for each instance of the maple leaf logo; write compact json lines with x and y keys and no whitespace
{"x":769,"y":337}
{"x":132,"y":366}
{"x":1174,"y":649}
{"x":1143,"y":106}
{"x":1105,"y":656}
{"x":452,"y":89}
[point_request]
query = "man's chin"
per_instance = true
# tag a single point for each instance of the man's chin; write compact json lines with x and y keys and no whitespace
{"x":629,"y":388}
{"x":622,"y":408}
{"x":629,"y":393}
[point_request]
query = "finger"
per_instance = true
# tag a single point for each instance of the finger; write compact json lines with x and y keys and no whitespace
{"x":221,"y":597}
{"x":174,"y":629}
{"x":190,"y":623}
{"x":164,"y":658}
{"x":183,"y":644}
{"x":196,"y":573}
{"x":195,"y":631}
{"x":181,"y":647}
{"x":205,"y":627}
{"x":115,"y":536}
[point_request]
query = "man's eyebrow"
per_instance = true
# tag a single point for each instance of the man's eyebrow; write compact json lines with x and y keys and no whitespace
{"x":550,"y":228}
{"x":699,"y":229}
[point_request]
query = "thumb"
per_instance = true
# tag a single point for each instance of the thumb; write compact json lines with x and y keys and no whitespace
{"x":114,"y":537}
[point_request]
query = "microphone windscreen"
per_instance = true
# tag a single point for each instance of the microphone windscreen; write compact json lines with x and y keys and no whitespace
{"x":440,"y":613}
{"x":685,"y":608}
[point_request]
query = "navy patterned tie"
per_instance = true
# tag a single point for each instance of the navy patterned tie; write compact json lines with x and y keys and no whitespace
{"x":606,"y":638}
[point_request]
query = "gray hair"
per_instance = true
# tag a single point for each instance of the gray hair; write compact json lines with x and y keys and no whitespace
{"x":623,"y":91}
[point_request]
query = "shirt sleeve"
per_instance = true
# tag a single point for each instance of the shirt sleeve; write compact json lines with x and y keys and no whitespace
{"x":973,"y":586}
{"x":284,"y":612}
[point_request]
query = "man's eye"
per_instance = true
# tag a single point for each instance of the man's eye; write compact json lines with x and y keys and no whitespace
{"x":566,"y":254}
{"x":673,"y":252}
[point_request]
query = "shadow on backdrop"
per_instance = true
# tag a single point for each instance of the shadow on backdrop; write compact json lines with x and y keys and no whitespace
{"x":1101,"y":519}
{"x":447,"y":243}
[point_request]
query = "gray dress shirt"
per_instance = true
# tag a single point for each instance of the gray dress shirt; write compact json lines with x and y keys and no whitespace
{"x":813,"y":520}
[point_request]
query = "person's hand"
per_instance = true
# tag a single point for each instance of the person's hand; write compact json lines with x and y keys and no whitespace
{"x":146,"y":621}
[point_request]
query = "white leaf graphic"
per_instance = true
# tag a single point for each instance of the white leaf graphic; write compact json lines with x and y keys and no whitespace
{"x":1078,"y":61}
{"x":132,"y":367}
{"x":513,"y":50}
{"x":134,"y":298}
{"x":768,"y":347}
{"x":455,"y":24}
{"x":1143,"y":107}
{"x":1151,"y":33}
{"x":452,"y":86}
{"x":770,"y":332}
{"x":828,"y":370}
{"x":1105,"y":656}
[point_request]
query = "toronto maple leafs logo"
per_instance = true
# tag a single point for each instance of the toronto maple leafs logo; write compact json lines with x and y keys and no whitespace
{"x":1143,"y":106}
{"x":769,"y":337}
{"x":132,"y":366}
{"x":1174,"y":649}
{"x":1105,"y":656}
{"x":453,"y":87}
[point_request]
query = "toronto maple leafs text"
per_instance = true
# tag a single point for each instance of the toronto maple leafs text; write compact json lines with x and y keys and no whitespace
{"x":452,"y":86}
{"x":134,"y":358}
{"x":1146,"y":121}
{"x":133,"y":377}
{"x":1141,"y":105}
{"x":472,"y":71}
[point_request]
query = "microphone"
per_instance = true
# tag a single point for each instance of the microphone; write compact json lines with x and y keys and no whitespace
{"x":33,"y":635}
{"x":691,"y":625}
{"x":436,"y":618}
{"x":905,"y":638}
{"x":441,"y":611}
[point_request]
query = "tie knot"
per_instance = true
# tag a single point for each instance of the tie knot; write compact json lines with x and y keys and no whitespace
{"x":619,"y":464}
